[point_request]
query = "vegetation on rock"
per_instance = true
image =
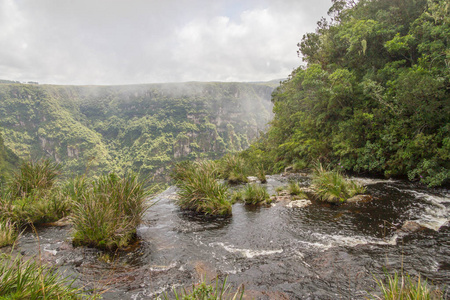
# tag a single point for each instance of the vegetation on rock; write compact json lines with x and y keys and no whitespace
{"x":255,"y":194}
{"x":332,"y":186}
{"x":106,"y":214}
{"x":20,"y":279}
{"x":199,"y":189}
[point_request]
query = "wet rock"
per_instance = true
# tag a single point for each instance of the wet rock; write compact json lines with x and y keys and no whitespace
{"x":66,"y":221}
{"x":252,"y":179}
{"x":410,"y":227}
{"x":299,"y":203}
{"x":359,"y":198}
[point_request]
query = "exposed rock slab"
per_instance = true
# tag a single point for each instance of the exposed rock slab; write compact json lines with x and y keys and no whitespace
{"x":299,"y":203}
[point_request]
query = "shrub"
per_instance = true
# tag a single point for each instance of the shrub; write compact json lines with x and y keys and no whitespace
{"x":255,"y":194}
{"x":8,"y":233}
{"x":398,"y":287}
{"x":199,"y":190}
{"x":106,"y":215}
{"x":29,"y":280}
{"x":261,"y":174}
{"x":33,"y":177}
{"x":332,"y":186}
{"x":210,"y":291}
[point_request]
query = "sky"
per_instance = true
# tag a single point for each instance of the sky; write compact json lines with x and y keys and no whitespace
{"x":109,"y":42}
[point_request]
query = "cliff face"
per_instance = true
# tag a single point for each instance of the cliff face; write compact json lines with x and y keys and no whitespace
{"x":143,"y":128}
{"x":8,"y":161}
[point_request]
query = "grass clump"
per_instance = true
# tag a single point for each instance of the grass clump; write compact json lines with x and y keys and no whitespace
{"x":211,"y":291}
{"x":199,"y":189}
{"x":255,"y":194}
{"x":403,"y":287}
{"x":332,"y":186}
{"x":233,"y":169}
{"x":32,"y":196}
{"x":8,"y":233}
{"x":34,"y":176}
{"x":106,"y":214}
{"x":28,"y":279}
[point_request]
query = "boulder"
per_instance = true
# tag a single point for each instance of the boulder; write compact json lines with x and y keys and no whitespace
{"x":359,"y":198}
{"x":299,"y":203}
{"x":410,"y":227}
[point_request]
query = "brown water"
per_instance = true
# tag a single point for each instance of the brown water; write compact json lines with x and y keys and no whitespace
{"x":316,"y":252}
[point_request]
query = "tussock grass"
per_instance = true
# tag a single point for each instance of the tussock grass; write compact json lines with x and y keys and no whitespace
{"x":32,"y":196}
{"x":233,"y":168}
{"x":33,"y":176}
{"x":211,"y":291}
{"x":403,"y":287}
{"x":106,"y":215}
{"x":332,"y":186}
{"x":255,"y":194}
{"x":199,"y":189}
{"x":28,"y":279}
{"x":8,"y":233}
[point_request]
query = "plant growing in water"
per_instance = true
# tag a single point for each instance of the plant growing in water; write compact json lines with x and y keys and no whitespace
{"x":106,"y":215}
{"x":21,"y":279}
{"x":255,"y":194}
{"x":332,"y":186}
{"x":8,"y":233}
{"x":399,"y":287}
{"x":199,"y":189}
{"x":233,"y":168}
{"x":203,"y":291}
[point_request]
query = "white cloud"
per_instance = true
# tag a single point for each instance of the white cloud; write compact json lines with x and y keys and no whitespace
{"x":114,"y":42}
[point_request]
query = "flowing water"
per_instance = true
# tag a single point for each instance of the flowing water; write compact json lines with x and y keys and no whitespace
{"x":316,"y":252}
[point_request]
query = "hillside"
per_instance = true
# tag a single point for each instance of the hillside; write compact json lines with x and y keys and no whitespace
{"x":8,"y":161}
{"x":374,"y":97}
{"x":143,"y":128}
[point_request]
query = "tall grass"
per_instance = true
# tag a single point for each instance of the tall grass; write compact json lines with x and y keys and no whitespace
{"x":33,"y":176}
{"x":106,"y":215}
{"x":32,"y":195}
{"x":199,"y":189}
{"x":8,"y":232}
{"x":332,"y":186}
{"x":255,"y":194}
{"x":403,"y":287}
{"x":211,"y":291}
{"x":28,"y":279}
{"x":233,"y":168}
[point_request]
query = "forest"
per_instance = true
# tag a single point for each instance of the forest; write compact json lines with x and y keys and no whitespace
{"x":373,"y":97}
{"x":139,"y":128}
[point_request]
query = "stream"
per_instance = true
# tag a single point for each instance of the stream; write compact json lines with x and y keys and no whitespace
{"x":320,"y":251}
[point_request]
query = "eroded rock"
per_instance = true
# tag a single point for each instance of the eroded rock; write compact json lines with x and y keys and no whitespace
{"x":359,"y":198}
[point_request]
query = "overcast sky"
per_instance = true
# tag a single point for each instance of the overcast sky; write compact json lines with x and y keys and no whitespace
{"x":145,"y":41}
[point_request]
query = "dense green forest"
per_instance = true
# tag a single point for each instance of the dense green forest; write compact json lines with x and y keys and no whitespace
{"x":374,"y":96}
{"x":8,"y":161}
{"x":141,"y":128}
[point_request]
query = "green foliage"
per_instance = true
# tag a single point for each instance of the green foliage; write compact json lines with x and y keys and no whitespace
{"x":199,"y":189}
{"x":8,"y":161}
{"x":374,"y":95}
{"x":142,"y":128}
{"x":255,"y":194}
{"x":31,"y":196}
{"x":8,"y":232}
{"x":403,"y":287}
{"x":29,"y":279}
{"x":233,"y":168}
{"x":210,"y":291}
{"x":33,"y":177}
{"x":106,"y":215}
{"x":332,"y":186}
{"x":294,"y":189}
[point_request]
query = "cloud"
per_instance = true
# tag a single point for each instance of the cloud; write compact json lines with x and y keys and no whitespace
{"x":121,"y":42}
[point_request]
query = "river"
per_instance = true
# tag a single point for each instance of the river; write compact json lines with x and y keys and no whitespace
{"x":316,"y":252}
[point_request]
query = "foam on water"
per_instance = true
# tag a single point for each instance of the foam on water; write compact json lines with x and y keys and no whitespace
{"x":248,"y":253}
{"x":436,"y":213}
